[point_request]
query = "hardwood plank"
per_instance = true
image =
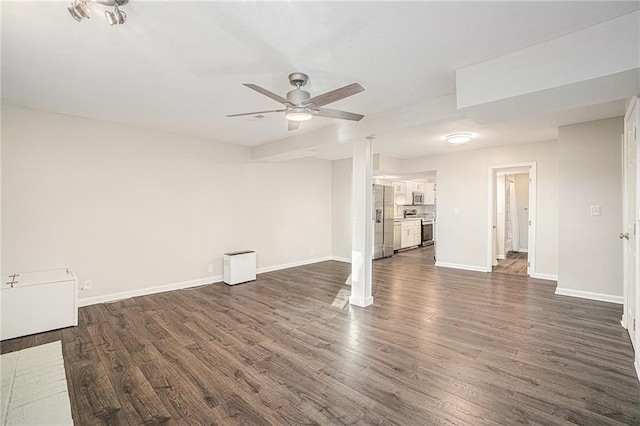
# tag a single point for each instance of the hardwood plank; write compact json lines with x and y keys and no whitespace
{"x":439,"y":346}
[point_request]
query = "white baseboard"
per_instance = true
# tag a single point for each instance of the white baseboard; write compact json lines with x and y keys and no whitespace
{"x":292,"y":264}
{"x":636,"y":364}
{"x":341,"y":259}
{"x":461,"y":266}
{"x":521,"y":250}
{"x":589,"y":295}
{"x":86,"y":301}
{"x":363,"y":303}
{"x":544,"y":276}
{"x":501,"y":257}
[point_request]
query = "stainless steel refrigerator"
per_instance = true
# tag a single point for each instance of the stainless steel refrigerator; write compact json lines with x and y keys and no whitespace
{"x":383,"y":213}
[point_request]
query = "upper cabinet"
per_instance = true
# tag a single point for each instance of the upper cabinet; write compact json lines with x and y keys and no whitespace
{"x":429,"y":193}
{"x":400,"y":187}
{"x":415,"y":187}
{"x":403,"y":191}
{"x":400,"y":193}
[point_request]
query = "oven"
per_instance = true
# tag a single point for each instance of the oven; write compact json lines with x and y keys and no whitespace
{"x":418,"y":198}
{"x":427,"y":232}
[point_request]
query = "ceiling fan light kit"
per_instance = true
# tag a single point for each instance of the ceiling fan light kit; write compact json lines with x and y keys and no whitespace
{"x":300,"y":106}
{"x":458,"y":138}
{"x":298,"y":114}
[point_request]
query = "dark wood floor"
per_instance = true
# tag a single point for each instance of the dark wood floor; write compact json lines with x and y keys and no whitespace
{"x":438,"y":346}
{"x":514,"y":263}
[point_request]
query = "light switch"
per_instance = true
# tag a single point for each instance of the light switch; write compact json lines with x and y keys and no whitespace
{"x":595,"y":210}
{"x":456,"y":210}
{"x":500,"y":210}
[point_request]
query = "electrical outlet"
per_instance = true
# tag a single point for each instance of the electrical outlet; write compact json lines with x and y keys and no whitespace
{"x":210,"y":267}
{"x":456,"y":210}
{"x":595,"y":210}
{"x":87,"y":285}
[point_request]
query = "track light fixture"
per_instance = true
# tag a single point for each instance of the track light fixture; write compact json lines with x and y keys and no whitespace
{"x":80,"y":9}
{"x":115,"y":17}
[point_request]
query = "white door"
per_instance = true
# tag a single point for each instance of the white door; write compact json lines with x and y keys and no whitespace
{"x":631,"y":208}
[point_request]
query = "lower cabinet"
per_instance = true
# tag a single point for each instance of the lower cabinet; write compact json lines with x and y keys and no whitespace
{"x":411,"y":234}
{"x":397,"y":235}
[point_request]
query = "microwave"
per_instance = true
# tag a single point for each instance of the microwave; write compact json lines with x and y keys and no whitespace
{"x":418,"y":198}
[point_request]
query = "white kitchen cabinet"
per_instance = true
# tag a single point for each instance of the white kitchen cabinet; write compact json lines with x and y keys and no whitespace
{"x":400,"y":193}
{"x":430,"y":193}
{"x":414,"y":187}
{"x":417,"y":232}
{"x":411,"y":233}
{"x":408,"y":235}
{"x":397,"y":235}
{"x":400,"y":187}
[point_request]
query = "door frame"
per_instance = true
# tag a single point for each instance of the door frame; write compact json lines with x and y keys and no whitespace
{"x":491,"y":216}
{"x":633,"y":107}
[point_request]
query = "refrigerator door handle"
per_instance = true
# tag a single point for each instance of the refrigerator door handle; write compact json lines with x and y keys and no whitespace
{"x":378,"y":215}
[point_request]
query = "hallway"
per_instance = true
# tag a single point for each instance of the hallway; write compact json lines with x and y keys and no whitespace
{"x":514,"y":264}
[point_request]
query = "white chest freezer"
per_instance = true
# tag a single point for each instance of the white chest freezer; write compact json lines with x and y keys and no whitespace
{"x":33,"y":302}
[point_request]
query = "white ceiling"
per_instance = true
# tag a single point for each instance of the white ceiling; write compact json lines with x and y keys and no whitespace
{"x":179,"y":66}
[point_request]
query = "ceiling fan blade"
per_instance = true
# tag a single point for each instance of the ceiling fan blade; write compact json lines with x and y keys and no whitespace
{"x":293,"y":125}
{"x":334,"y":113}
{"x":268,"y":93}
{"x":335,"y":95}
{"x":256,"y":113}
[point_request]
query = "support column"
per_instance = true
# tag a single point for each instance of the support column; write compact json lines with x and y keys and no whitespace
{"x":361,"y":219}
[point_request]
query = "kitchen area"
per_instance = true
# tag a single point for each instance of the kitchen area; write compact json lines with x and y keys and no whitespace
{"x":404,"y":215}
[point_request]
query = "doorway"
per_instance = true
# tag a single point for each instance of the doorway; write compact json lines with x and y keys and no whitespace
{"x":512,"y":216}
{"x":511,"y":225}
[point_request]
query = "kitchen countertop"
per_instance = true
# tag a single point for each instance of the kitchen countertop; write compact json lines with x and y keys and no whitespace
{"x":402,"y":219}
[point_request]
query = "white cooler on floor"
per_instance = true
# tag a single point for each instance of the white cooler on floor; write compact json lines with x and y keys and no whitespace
{"x":33,"y":302}
{"x":239,"y":267}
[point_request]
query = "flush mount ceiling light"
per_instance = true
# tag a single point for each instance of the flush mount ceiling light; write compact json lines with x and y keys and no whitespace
{"x":458,"y":138}
{"x":80,"y":9}
{"x":298,"y":114}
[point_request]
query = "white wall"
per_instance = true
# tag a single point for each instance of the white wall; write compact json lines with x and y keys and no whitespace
{"x":522,"y":204}
{"x":591,"y":174}
{"x":341,"y":171}
{"x":130,"y":208}
{"x":463,"y":184}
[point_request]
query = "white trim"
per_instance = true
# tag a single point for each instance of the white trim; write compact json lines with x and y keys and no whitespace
{"x":474,"y":268}
{"x":86,"y":301}
{"x":292,"y":264}
{"x":361,"y":303}
{"x":521,"y":250}
{"x":589,"y":295}
{"x":544,"y":276}
{"x":636,"y":364}
{"x":501,"y":257}
{"x":533,"y":197}
{"x":341,"y":259}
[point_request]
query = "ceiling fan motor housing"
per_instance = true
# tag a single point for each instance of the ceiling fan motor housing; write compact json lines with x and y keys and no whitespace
{"x":297,"y":96}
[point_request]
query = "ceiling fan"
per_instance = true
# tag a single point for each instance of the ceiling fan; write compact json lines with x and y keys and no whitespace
{"x":300,"y":106}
